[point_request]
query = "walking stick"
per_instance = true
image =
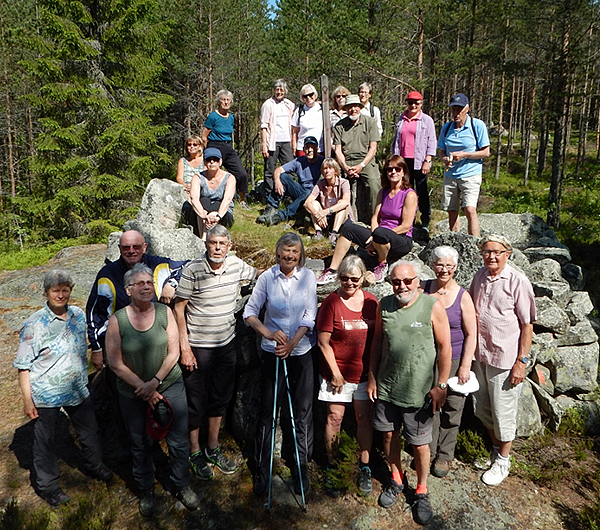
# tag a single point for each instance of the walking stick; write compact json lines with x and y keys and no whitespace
{"x":273,"y":426}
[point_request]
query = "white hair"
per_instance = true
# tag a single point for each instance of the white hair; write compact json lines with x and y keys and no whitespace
{"x":414,"y":264}
{"x":444,"y":251}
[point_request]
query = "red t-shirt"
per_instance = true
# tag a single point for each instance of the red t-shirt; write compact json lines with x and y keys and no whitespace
{"x":351,"y":335}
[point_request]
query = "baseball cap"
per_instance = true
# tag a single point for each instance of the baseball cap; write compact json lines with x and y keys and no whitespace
{"x":458,"y":100}
{"x":159,"y":419}
{"x":212,"y":152}
{"x":413,"y":94}
{"x":311,"y":140}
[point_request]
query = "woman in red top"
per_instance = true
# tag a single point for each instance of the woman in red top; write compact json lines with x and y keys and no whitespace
{"x":345,"y":328}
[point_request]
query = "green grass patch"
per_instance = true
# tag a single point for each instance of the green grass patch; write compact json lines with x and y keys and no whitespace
{"x":34,"y":254}
{"x":470,"y":447}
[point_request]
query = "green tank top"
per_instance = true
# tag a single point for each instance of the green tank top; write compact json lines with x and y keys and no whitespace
{"x":408,"y":354}
{"x":145,"y":351}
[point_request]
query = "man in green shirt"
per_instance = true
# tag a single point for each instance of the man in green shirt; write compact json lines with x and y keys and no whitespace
{"x":404,"y":361}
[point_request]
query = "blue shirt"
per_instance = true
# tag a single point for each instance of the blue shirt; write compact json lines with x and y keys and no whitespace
{"x":221,"y":129}
{"x":308,"y":172}
{"x":471,"y":137}
{"x":54,"y":351}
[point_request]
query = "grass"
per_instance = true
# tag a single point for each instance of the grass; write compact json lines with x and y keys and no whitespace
{"x":36,"y":254}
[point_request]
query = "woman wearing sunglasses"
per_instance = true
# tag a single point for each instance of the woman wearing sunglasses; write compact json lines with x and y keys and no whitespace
{"x":390,"y":235}
{"x":345,"y":328}
{"x":307,"y":120}
{"x":189,"y":165}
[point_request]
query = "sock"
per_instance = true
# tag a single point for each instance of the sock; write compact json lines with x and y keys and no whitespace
{"x":503,"y":459}
{"x":421,"y":489}
{"x":398,"y":477}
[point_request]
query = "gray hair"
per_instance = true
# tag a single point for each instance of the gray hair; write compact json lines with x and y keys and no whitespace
{"x":290,"y":239}
{"x":444,"y":251}
{"x":280,"y":83}
{"x":350,"y":263}
{"x":414,"y":264}
{"x":223,"y":92}
{"x":138,"y":268}
{"x":307,"y":89}
{"x":57,"y":277}
{"x":368,"y":86}
{"x":218,"y":231}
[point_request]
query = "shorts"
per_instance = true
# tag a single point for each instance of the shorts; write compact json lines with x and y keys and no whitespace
{"x":388,"y":417}
{"x":400,"y":244}
{"x":496,"y":401}
{"x":350,"y":392}
{"x":459,"y":193}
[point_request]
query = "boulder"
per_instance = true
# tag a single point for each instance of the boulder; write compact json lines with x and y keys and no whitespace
{"x":558,"y":292}
{"x":579,"y":307}
{"x":575,"y":368}
{"x":580,"y":333}
{"x":546,"y":270}
{"x":560,"y":254}
{"x":544,"y":347}
{"x":574,"y":275}
{"x":548,"y":404}
{"x":550,"y":317}
{"x":590,"y":411}
{"x":161,"y":204}
{"x":529,"y":419}
{"x":543,"y":377}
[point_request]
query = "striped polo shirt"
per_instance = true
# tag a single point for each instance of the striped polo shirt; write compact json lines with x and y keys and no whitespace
{"x":212,"y":296}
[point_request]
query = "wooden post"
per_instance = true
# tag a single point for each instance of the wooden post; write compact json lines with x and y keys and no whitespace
{"x":326,"y":120}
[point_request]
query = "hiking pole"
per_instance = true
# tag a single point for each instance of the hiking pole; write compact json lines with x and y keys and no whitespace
{"x":273,"y":426}
{"x":287,"y":386}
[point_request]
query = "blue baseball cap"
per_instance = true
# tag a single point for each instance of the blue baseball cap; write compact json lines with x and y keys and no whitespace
{"x":212,"y":152}
{"x":458,"y":100}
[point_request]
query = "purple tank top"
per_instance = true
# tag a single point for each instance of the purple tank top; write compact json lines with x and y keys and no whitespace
{"x":390,"y":214}
{"x":457,"y":335}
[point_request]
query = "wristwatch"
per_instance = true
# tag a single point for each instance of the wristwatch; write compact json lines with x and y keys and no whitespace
{"x":159,"y":380}
{"x":442,"y":386}
{"x":524,"y":359}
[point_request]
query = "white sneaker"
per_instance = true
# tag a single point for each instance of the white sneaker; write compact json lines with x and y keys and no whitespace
{"x":497,"y":473}
{"x":328,"y":276}
{"x":380,"y":271}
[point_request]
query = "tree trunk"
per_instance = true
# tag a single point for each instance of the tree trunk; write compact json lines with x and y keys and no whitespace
{"x":530,"y":104}
{"x":501,"y":103}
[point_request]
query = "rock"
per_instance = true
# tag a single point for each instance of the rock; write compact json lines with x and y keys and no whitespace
{"x":546,"y":270}
{"x":575,"y":368}
{"x":579,"y":307}
{"x":550,"y":317}
{"x":574,"y":275}
{"x":589,"y":410}
{"x":595,"y":322}
{"x":561,"y":254}
{"x":558,"y":292}
{"x":542,"y":376}
{"x":544,"y":346}
{"x":366,"y":521}
{"x":529,"y":420}
{"x":161,"y":204}
{"x":548,"y":404}
{"x":580,"y":333}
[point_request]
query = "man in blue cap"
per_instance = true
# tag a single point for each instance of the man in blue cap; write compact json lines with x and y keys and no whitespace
{"x":462,"y":146}
{"x":308,"y":170}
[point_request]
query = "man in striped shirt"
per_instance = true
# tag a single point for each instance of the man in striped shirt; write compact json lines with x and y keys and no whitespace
{"x":505,"y":308}
{"x":204,"y":309}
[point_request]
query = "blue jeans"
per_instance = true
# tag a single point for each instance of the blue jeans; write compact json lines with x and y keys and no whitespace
{"x":292,"y":189}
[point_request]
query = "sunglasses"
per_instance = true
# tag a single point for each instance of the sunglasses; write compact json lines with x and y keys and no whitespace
{"x":131,"y":247}
{"x":413,"y":102}
{"x":311,"y":95}
{"x":353,"y":279}
{"x":207,"y":160}
{"x":193,"y":145}
{"x":394,"y":169}
{"x":397,"y":282}
{"x":341,"y":95}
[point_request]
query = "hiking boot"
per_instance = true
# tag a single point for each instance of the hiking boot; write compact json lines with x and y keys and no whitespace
{"x":329,"y":483}
{"x":188,"y":498}
{"x":380,"y":272}
{"x":328,"y":276}
{"x":200,"y":466}
{"x":55,"y":498}
{"x":261,"y":482}
{"x":365,"y":484}
{"x":146,"y":505}
{"x":267,"y":216}
{"x":389,"y":495}
{"x":422,"y":510}
{"x":440,"y":468}
{"x":305,"y":480}
{"x":217,"y":458}
{"x":497,"y":473}
{"x":102,"y":473}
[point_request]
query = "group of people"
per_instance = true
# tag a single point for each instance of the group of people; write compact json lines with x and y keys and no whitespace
{"x":394,"y":359}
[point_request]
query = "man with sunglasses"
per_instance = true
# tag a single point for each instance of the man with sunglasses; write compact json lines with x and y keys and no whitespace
{"x":402,"y":379}
{"x":505,"y":309}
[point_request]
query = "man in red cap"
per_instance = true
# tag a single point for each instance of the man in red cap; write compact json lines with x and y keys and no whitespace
{"x":415,"y":141}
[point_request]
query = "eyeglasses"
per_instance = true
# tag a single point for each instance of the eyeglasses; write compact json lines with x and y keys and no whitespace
{"x":353,"y":279}
{"x":413,"y":102}
{"x":147,"y":283}
{"x":193,"y":145}
{"x":341,"y":95}
{"x":397,"y":282}
{"x":495,"y":253}
{"x":444,"y":267}
{"x":311,"y":95}
{"x":131,"y":247}
{"x":393,"y":169}
{"x":207,"y":160}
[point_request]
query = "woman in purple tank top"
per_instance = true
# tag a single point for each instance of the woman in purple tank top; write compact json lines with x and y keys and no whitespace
{"x":463,"y":334}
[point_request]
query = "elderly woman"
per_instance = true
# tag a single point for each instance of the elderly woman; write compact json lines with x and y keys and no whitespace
{"x":338,"y":100}
{"x":218,"y":133}
{"x":307,"y":120}
{"x":212,"y":193}
{"x":345,"y":329}
{"x":329,"y":202}
{"x":142,"y":346}
{"x":288,"y":293}
{"x":52,"y":364}
{"x":463,"y":331}
{"x":390,"y":236}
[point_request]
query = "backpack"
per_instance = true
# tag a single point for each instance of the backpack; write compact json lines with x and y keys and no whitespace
{"x":445,"y":133}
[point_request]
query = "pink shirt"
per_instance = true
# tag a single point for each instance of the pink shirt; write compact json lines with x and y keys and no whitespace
{"x":502,"y":304}
{"x":341,"y":187}
{"x":407,"y":136}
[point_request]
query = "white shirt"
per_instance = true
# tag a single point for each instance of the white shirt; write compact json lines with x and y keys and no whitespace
{"x":290,"y":302}
{"x":310,"y":123}
{"x":366,"y":110}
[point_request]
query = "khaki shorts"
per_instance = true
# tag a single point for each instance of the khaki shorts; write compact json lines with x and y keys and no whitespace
{"x":458,"y":193}
{"x":388,"y":417}
{"x":350,"y":392}
{"x":496,"y":401}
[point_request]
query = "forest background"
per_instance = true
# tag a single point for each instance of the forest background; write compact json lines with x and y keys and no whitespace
{"x":97,"y":96}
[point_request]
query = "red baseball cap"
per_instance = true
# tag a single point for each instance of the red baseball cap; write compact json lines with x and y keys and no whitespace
{"x":413,"y":94}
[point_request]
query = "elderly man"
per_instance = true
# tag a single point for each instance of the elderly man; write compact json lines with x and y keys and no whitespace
{"x":505,"y":309}
{"x":276,"y":132}
{"x":355,"y":140}
{"x":462,"y":146}
{"x":308,"y":169}
{"x":365,"y":91}
{"x":404,"y":361}
{"x":204,"y":310}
